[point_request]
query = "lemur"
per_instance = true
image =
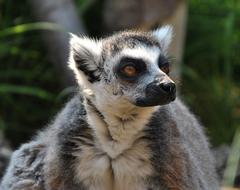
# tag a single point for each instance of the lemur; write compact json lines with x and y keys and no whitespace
{"x":124,"y":129}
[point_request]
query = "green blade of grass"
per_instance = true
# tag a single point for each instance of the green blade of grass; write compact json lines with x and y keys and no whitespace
{"x":25,"y":90}
{"x":30,"y":27}
{"x":232,"y":162}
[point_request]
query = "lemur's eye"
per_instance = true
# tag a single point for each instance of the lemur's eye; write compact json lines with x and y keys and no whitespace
{"x":129,"y":70}
{"x":163,"y":64}
{"x":165,"y":69}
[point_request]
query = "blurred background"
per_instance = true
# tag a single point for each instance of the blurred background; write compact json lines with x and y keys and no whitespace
{"x":35,"y":81}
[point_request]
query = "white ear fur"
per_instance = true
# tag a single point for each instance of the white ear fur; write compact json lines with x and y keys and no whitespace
{"x":164,"y":36}
{"x":85,"y":57}
{"x":85,"y":47}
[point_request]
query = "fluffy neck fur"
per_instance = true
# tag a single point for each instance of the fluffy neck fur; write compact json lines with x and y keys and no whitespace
{"x":117,"y":128}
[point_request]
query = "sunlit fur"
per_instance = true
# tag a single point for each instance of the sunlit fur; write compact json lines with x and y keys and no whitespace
{"x":102,"y":141}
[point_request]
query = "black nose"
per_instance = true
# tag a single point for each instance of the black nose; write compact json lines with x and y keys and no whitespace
{"x":169,"y":88}
{"x":163,"y":90}
{"x":157,"y":93}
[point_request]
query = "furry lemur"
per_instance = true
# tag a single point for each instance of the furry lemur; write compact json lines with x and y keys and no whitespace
{"x":124,"y":130}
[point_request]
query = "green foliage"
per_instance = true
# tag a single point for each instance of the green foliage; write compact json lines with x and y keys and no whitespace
{"x":21,"y":28}
{"x":212,"y":66}
{"x":83,"y":5}
{"x":27,"y":87}
{"x":25,"y":90}
{"x":91,"y":12}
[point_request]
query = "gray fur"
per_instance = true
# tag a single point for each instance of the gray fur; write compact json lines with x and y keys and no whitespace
{"x":111,"y":144}
{"x":128,"y":39}
{"x":185,"y":134}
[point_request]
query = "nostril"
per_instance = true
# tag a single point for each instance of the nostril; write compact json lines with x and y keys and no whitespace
{"x":168,"y":87}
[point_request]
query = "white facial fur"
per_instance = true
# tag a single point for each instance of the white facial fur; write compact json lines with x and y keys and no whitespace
{"x":114,"y":92}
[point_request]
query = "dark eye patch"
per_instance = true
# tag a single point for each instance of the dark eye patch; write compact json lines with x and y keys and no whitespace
{"x":163,"y":64}
{"x":138,"y":64}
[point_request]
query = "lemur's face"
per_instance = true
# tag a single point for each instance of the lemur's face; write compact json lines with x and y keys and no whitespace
{"x":126,"y":68}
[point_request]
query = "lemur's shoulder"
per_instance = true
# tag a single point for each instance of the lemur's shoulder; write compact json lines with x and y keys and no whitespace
{"x":27,"y":165}
{"x":71,"y":117}
{"x":181,"y":139}
{"x":26,"y":168}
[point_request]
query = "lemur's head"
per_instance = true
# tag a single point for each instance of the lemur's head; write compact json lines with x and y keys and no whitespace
{"x":127,"y":68}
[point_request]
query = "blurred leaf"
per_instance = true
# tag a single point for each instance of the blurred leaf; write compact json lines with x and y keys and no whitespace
{"x":25,"y":90}
{"x":30,"y":27}
{"x":83,"y":5}
{"x":189,"y":72}
{"x":66,"y":93}
{"x":232,"y":162}
{"x":2,"y":124}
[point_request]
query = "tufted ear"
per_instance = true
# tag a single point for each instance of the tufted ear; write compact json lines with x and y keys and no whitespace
{"x":164,"y":36}
{"x":85,"y":57}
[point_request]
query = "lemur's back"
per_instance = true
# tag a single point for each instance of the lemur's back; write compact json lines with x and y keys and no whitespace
{"x":180,"y":157}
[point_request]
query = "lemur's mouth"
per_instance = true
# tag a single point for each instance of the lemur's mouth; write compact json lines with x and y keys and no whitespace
{"x":154,"y":101}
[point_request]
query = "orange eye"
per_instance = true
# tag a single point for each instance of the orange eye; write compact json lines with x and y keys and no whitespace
{"x":165,"y":69}
{"x":129,"y":71}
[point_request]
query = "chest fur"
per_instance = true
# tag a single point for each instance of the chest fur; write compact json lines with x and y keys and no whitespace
{"x":97,"y":171}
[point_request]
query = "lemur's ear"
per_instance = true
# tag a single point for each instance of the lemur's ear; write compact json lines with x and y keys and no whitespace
{"x":164,"y":36}
{"x":85,"y":57}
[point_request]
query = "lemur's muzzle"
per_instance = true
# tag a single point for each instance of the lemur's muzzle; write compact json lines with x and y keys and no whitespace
{"x":158,"y":93}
